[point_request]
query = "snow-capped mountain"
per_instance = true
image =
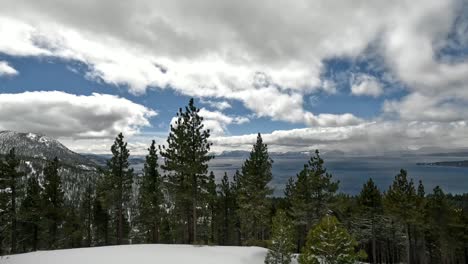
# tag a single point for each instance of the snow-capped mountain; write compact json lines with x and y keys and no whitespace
{"x":38,"y":146}
{"x":35,"y":150}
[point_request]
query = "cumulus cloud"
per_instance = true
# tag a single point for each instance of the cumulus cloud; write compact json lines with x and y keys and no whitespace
{"x":269,"y":59}
{"x":63,"y":115}
{"x":6,"y":69}
{"x":219,"y":105}
{"x":217,"y":122}
{"x":364,"y":84}
{"x":377,"y":138}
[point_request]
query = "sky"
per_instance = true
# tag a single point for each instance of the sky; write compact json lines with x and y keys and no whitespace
{"x":355,"y":76}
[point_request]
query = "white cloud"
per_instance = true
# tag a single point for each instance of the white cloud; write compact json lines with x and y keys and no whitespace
{"x":217,"y":122}
{"x":369,"y":138}
{"x":267,"y":58}
{"x":6,"y":69}
{"x":59,"y":114}
{"x":221,"y":105}
{"x":364,"y":84}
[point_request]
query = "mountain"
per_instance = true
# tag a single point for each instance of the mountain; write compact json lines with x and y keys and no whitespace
{"x":36,"y":146}
{"x":34,"y":150}
{"x":461,"y":163}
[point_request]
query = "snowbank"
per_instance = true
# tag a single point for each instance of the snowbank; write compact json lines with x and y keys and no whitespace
{"x":143,"y":254}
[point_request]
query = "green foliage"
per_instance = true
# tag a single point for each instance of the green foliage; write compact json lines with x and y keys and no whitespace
{"x":53,"y":202}
{"x":329,"y":243}
{"x":119,"y":181}
{"x":310,"y":196}
{"x":31,"y":214}
{"x":10,"y":179}
{"x":186,"y":165}
{"x":151,"y":197}
{"x":252,"y":192}
{"x":282,"y":240}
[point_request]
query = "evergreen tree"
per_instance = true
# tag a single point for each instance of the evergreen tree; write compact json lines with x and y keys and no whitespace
{"x":151,"y":197}
{"x":53,"y":202}
{"x":227,"y":209}
{"x":310,"y":196}
{"x":282,"y":241}
{"x":400,"y":202}
{"x":253,"y":192}
{"x":101,"y":216}
{"x":370,"y":201}
{"x":31,"y":214}
{"x":185,"y":162}
{"x":10,"y":178}
{"x":120,"y":180}
{"x":329,"y":243}
{"x":72,"y":228}
{"x":86,"y":214}
{"x":212,"y":199}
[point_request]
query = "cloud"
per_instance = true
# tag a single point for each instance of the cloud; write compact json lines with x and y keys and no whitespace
{"x":63,"y":115}
{"x":217,"y":122}
{"x":6,"y":69}
{"x":377,"y":138}
{"x":269,"y":59}
{"x":221,"y":105}
{"x":364,"y":84}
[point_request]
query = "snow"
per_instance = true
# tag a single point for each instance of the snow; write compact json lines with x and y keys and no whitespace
{"x":143,"y":254}
{"x":31,"y":136}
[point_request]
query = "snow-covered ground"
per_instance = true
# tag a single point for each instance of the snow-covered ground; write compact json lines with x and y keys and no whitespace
{"x":143,"y":254}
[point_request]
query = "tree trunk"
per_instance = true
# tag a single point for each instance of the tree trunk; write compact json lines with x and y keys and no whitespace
{"x":119,"y":225}
{"x":35,"y":237}
{"x":408,"y":244}
{"x":374,"y":255}
{"x":13,"y":215}
{"x":155,"y":233}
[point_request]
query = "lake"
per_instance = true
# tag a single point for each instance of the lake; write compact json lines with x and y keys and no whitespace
{"x":353,"y":172}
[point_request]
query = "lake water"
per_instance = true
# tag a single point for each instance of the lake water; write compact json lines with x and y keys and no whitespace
{"x":353,"y":172}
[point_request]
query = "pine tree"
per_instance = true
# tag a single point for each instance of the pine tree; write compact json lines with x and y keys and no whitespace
{"x":101,"y":216}
{"x":86,"y":213}
{"x":370,"y":201}
{"x":151,"y":197}
{"x":329,"y":243}
{"x":31,"y":214}
{"x":227,"y":216}
{"x":212,"y":199}
{"x":310,"y":196}
{"x":400,"y":202}
{"x":120,"y":180}
{"x":253,"y":192}
{"x":185,"y":162}
{"x":282,"y":241}
{"x":10,"y":178}
{"x":53,"y":202}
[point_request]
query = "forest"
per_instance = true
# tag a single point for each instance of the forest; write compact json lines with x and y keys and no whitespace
{"x":177,"y":200}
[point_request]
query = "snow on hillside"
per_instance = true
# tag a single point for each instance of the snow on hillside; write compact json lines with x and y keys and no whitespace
{"x":143,"y":254}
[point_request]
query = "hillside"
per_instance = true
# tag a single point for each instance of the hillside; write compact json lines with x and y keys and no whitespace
{"x":144,"y":254}
{"x":40,"y":147}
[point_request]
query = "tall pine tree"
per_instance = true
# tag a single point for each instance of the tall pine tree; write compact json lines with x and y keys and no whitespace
{"x":31,"y":214}
{"x":53,"y":201}
{"x":400,"y":202}
{"x":370,"y":201}
{"x":185,"y":162}
{"x":10,"y":177}
{"x":151,"y":197}
{"x":253,"y":192}
{"x":310,"y":196}
{"x":120,"y":180}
